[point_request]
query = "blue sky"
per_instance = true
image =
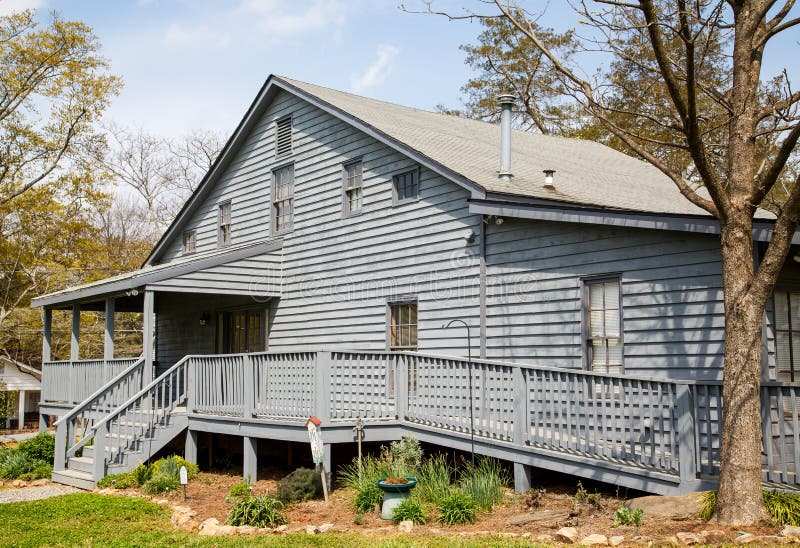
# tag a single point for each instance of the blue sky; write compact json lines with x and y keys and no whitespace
{"x":197,"y":64}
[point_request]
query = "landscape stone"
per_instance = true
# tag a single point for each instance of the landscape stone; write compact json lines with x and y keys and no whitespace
{"x":18,"y":483}
{"x":567,"y":535}
{"x":678,"y":507}
{"x":311,"y":529}
{"x":541,"y":515}
{"x":39,"y":482}
{"x":746,"y":538}
{"x":616,"y":540}
{"x":595,"y":540}
{"x":281,"y":529}
{"x":247,"y":530}
{"x":714,"y":536}
{"x":325,"y":527}
{"x":791,"y":531}
{"x":406,"y":526}
{"x":544,"y":538}
{"x":690,"y":538}
{"x":212,"y":528}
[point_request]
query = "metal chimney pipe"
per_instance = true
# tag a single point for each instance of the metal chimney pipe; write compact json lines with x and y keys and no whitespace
{"x":506,"y":104}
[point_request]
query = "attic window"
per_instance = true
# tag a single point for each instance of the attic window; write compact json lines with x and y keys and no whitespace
{"x":189,"y":241}
{"x":224,"y":217}
{"x":283,"y":136}
{"x":282,"y":199}
{"x":352,"y":180}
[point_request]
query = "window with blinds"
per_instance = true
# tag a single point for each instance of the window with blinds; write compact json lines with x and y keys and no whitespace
{"x":604,"y":325}
{"x":352,"y":175}
{"x":787,"y":335}
{"x":283,"y":137}
{"x":282,"y":199}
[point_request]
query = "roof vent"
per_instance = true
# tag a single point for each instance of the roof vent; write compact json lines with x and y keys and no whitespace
{"x":548,"y":179}
{"x":506,"y":104}
{"x":283,"y":136}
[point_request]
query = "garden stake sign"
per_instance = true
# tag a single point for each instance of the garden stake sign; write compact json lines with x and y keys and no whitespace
{"x":317,"y":451}
{"x":184,"y":474}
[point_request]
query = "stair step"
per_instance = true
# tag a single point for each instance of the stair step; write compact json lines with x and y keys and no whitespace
{"x":81,"y":480}
{"x":81,"y":464}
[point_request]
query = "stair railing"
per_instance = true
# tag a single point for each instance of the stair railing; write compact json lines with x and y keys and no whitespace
{"x":78,"y":421}
{"x":126,"y":427}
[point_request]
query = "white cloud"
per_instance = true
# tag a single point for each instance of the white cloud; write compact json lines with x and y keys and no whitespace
{"x":183,"y":36}
{"x":378,"y":71}
{"x":7,"y":7}
{"x":278,"y":18}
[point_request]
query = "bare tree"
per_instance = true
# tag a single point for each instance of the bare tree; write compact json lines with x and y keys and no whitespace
{"x":725,"y":143}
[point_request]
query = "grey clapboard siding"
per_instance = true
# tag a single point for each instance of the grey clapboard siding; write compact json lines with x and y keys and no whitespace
{"x":672,"y":299}
{"x":260,"y":275}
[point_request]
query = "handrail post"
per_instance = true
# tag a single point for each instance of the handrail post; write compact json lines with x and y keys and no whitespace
{"x":191,"y":386}
{"x":60,"y":460}
{"x":686,"y":446}
{"x":249,"y":388}
{"x":100,"y":452}
{"x":400,"y":385}
{"x":323,"y":388}
{"x":521,"y":417}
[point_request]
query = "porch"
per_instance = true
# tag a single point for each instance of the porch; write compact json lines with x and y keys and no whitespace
{"x":655,"y":435}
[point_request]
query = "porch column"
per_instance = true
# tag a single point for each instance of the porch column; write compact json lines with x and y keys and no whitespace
{"x":74,"y":350}
{"x":47,"y":335}
{"x":147,"y":335}
{"x":190,"y":451}
{"x":108,"y":342}
{"x":250,"y":468}
{"x":22,"y":395}
{"x":523,"y":477}
{"x":326,"y":463}
{"x":43,"y":423}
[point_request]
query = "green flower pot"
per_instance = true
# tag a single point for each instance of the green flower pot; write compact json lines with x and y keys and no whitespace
{"x":394,"y":494}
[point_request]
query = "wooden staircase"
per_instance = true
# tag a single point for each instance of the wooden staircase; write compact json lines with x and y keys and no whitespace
{"x":130,"y":433}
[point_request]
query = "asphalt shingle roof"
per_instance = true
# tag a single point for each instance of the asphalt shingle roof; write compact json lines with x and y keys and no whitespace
{"x":587,"y":173}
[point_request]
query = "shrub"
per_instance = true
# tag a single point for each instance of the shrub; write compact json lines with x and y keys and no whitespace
{"x":626,"y":516}
{"x":14,"y":463}
{"x":191,"y":468}
{"x":582,"y":496}
{"x":405,"y":456}
{"x":142,"y":473}
{"x":257,"y":512}
{"x":433,"y":480}
{"x":367,"y":498}
{"x":42,"y":470}
{"x":372,"y":469}
{"x":239,"y":491}
{"x":161,"y":483}
{"x":457,"y":508}
{"x":409,"y":510}
{"x":484,"y":482}
{"x":118,"y":481}
{"x":40,"y":447}
{"x":302,"y":484}
{"x":359,"y":519}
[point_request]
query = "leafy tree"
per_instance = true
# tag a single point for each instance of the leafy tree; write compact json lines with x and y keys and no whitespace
{"x":696,"y":105}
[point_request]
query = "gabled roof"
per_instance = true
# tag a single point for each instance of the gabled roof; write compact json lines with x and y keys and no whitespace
{"x":468,"y":152}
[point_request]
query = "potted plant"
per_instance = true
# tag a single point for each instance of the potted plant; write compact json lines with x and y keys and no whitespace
{"x":395,"y":491}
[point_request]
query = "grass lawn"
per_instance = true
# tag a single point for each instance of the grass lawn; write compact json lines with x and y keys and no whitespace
{"x":86,"y":519}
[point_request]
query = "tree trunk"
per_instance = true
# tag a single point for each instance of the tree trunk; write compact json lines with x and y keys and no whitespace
{"x":739,"y":500}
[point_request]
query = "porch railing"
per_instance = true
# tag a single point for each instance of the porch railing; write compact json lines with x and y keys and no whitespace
{"x":71,"y":382}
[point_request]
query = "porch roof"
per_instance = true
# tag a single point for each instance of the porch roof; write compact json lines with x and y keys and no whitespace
{"x":124,"y":284}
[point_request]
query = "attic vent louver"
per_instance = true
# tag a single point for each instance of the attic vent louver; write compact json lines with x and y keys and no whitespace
{"x":283,"y":136}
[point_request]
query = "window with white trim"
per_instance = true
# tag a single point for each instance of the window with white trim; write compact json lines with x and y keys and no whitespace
{"x":283,"y":199}
{"x":406,"y":186}
{"x":352,"y":176}
{"x":787,"y":335}
{"x":224,"y":218}
{"x":189,"y":241}
{"x":283,"y":137}
{"x":403,"y":326}
{"x":603,"y":314}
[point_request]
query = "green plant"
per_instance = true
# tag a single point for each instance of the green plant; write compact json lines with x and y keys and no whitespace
{"x":409,"y":510}
{"x":434,"y":479}
{"x":161,"y":483}
{"x":40,"y":447}
{"x":14,"y":463}
{"x":372,"y":469}
{"x":783,"y":507}
{"x":142,"y":473}
{"x":484,"y":482}
{"x":707,"y":503}
{"x":405,"y":456}
{"x":358,"y":519}
{"x":191,"y":468}
{"x":118,"y":481}
{"x":239,"y":491}
{"x":582,"y":496}
{"x":367,"y":498}
{"x":257,"y":512}
{"x":302,"y":484}
{"x":626,"y":516}
{"x":457,"y":508}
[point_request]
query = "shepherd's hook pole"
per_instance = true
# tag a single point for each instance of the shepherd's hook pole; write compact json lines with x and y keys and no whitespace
{"x":469,"y":366}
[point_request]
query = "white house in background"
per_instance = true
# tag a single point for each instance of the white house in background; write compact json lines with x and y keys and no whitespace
{"x":27,"y":381}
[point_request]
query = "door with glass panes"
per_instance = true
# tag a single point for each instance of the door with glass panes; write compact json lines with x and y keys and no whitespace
{"x":241,"y":331}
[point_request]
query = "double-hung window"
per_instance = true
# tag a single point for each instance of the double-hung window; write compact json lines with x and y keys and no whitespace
{"x":352,"y":175}
{"x":403,"y":326}
{"x":224,"y":224}
{"x":283,"y":199}
{"x":603,"y":316}
{"x":406,"y":186}
{"x":189,"y":241}
{"x":787,"y":335}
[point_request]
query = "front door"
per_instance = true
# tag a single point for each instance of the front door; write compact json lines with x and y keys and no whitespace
{"x":241,"y":331}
